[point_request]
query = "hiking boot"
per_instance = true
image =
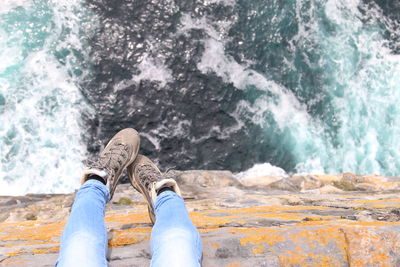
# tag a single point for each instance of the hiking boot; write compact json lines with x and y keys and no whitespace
{"x":120,"y":151}
{"x":146,"y":178}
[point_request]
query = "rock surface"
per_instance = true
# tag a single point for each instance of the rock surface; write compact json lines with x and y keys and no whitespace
{"x":303,"y":220}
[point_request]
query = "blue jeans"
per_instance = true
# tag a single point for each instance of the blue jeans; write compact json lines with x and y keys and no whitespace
{"x":175,"y":241}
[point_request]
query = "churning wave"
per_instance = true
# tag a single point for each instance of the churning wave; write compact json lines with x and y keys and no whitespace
{"x":41,"y":106}
{"x":307,"y":86}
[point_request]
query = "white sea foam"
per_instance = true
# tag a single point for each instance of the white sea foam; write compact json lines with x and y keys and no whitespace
{"x":263,"y":169}
{"x":177,"y":128}
{"x":7,"y":5}
{"x":40,"y":122}
{"x":224,"y":2}
{"x":370,"y":74}
{"x":154,"y":70}
{"x":151,"y":69}
{"x":364,"y":88}
{"x":153,"y":139}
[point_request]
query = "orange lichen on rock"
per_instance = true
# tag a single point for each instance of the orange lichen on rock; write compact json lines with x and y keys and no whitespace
{"x":211,"y":244}
{"x":214,"y":245}
{"x":234,"y":264}
{"x":127,"y":218}
{"x":371,"y":247}
{"x":320,"y":236}
{"x":268,"y":209}
{"x":277,"y":216}
{"x":344,"y":222}
{"x":381,"y":203}
{"x":258,"y":250}
{"x":374,"y":223}
{"x":129,"y":236}
{"x":360,"y":246}
{"x":45,"y":250}
{"x":201,"y":220}
{"x":345,"y":196}
{"x":221,"y":217}
{"x":357,"y":245}
{"x":259,"y":236}
{"x":291,"y":258}
{"x":29,"y":243}
{"x":378,"y":200}
{"x":34,"y":251}
{"x":39,"y":231}
{"x":16,"y":252}
{"x":263,"y":239}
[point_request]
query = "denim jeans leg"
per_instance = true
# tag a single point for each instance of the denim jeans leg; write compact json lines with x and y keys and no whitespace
{"x":175,"y":241}
{"x":84,"y":240}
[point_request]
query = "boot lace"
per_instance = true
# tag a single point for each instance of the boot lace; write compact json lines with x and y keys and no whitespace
{"x":148,"y":175}
{"x":112,"y":160}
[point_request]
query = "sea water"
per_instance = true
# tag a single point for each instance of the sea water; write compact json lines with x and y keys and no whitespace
{"x":271,"y":87}
{"x":40,"y":104}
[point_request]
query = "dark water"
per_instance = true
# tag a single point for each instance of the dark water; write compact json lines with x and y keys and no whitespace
{"x":191,"y":118}
{"x":308,"y":86}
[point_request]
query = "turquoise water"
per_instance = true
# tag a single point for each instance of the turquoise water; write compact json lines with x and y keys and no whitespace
{"x":40,"y":104}
{"x":317,"y":81}
{"x":337,"y":86}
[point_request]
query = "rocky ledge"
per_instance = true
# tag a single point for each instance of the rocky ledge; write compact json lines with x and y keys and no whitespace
{"x":303,"y":220}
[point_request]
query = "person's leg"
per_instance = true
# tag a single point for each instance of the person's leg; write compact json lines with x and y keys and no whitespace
{"x":84,"y":240}
{"x":175,"y":241}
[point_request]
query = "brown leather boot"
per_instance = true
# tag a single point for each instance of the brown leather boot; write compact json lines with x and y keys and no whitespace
{"x":146,"y":178}
{"x":120,"y":151}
